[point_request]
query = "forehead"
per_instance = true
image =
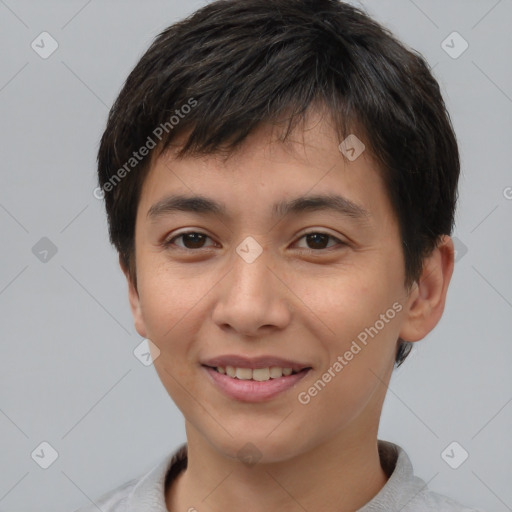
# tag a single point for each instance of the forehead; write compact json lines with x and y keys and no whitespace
{"x":307,"y":171}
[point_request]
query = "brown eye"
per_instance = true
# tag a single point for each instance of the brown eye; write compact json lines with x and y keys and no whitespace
{"x":191,"y":240}
{"x":317,"y":241}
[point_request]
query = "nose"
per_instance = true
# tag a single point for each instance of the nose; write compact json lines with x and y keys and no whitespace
{"x":252,"y":298}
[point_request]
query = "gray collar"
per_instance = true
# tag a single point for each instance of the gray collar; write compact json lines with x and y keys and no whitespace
{"x":148,"y":494}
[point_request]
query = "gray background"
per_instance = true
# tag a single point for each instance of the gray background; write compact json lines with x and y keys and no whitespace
{"x":68,"y":375}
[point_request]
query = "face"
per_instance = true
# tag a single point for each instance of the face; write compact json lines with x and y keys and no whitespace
{"x":259,"y":287}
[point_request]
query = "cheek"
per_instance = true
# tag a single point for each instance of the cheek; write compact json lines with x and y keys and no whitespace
{"x":167,"y":300}
{"x":343,"y":306}
{"x":360,"y":320}
{"x":355,"y":369}
{"x":172,"y":306}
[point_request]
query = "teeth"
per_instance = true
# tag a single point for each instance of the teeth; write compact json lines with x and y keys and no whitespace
{"x":244,"y":373}
{"x":276,"y":372}
{"x":261,"y":374}
{"x":258,"y":374}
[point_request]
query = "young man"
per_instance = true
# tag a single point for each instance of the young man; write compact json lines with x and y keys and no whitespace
{"x":280,"y":179}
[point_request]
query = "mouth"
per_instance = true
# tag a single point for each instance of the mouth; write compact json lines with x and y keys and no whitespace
{"x":256,"y":374}
{"x":254,"y":380}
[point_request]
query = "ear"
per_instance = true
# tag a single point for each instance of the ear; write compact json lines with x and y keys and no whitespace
{"x":135,"y":305}
{"x":426,"y":300}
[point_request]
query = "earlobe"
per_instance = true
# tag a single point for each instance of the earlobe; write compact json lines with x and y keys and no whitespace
{"x":426,"y":301}
{"x":135,"y":305}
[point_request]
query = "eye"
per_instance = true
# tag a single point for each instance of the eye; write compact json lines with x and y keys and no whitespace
{"x":318,"y":240}
{"x":192,"y":240}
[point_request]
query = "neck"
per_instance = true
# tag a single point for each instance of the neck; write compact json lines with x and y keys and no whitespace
{"x":341,"y":475}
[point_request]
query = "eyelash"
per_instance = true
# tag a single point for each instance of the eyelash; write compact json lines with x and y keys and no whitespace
{"x":168,"y":243}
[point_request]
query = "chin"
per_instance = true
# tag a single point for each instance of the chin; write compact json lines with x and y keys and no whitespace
{"x":254,"y":446}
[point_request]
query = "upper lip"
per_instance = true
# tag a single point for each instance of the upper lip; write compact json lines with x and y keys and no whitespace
{"x":254,"y":362}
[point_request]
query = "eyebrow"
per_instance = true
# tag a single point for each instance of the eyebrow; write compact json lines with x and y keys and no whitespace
{"x":206,"y":206}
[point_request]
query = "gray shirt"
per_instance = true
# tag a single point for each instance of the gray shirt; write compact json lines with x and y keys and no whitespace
{"x":402,"y":492}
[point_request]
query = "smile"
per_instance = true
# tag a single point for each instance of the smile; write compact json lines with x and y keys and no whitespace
{"x":254,"y":384}
{"x":257,"y":374}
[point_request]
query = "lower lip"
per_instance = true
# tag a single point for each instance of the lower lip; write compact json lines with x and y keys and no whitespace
{"x":252,"y":390}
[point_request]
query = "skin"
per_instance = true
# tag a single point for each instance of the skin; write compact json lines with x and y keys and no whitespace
{"x":290,"y":303}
